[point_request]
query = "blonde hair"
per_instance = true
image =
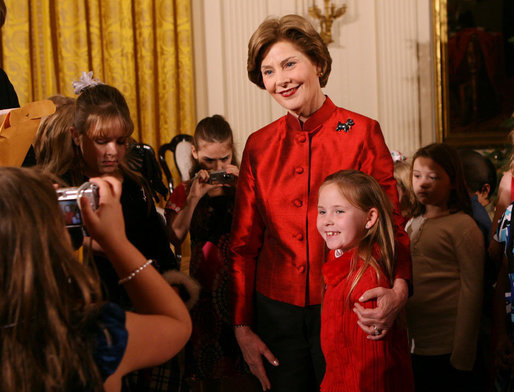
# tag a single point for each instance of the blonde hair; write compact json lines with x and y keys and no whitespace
{"x":364,"y":192}
{"x":48,"y":301}
{"x":407,"y":199}
{"x":292,"y":28}
{"x":53,"y":144}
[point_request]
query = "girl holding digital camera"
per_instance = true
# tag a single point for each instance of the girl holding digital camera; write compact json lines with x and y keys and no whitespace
{"x":447,"y":247}
{"x":203,"y":207}
{"x":100,"y":132}
{"x":101,"y":128}
{"x":57,"y":334}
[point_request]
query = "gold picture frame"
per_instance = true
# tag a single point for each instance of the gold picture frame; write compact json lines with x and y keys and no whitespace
{"x":474,"y":131}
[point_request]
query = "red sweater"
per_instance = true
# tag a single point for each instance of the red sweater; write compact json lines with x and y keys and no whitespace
{"x":355,"y":363}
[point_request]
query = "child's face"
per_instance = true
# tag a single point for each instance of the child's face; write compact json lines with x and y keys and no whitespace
{"x":102,"y":153}
{"x":430,"y":182}
{"x":213,"y":156}
{"x":340,"y":223}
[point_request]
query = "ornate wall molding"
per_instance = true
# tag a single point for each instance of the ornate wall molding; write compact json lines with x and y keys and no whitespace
{"x":379,"y":68}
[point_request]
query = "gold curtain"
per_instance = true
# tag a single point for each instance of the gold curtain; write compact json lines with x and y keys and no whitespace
{"x":142,"y":47}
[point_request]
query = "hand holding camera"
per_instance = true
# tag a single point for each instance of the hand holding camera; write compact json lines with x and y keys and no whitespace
{"x":222,"y":178}
{"x":68,"y":201}
{"x":105,"y":224}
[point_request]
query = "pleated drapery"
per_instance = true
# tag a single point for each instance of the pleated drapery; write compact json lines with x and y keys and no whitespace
{"x":142,"y":47}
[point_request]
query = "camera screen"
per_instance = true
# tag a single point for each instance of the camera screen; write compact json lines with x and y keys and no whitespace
{"x":71,"y":212}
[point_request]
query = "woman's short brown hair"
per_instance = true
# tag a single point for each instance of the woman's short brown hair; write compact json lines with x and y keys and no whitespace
{"x":295,"y":29}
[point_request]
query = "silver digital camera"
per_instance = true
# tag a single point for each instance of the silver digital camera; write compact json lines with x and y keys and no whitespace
{"x":222,"y":177}
{"x":70,"y":207}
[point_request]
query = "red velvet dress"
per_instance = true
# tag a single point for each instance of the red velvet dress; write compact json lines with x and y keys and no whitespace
{"x":355,"y":363}
{"x":276,"y":248}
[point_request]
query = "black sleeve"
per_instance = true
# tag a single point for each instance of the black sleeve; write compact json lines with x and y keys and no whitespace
{"x":8,"y":97}
{"x":145,"y":227}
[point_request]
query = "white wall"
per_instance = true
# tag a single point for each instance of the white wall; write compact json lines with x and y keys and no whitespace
{"x":382,"y":65}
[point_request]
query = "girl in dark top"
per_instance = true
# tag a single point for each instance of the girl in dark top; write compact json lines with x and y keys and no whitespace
{"x":100,"y":132}
{"x":205,"y":210}
{"x":101,"y":128}
{"x":56,"y":333}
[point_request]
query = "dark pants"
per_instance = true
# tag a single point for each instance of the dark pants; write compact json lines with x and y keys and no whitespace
{"x":292,"y":333}
{"x":435,"y":373}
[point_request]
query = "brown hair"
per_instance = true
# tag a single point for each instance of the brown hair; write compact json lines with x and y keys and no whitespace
{"x":364,"y":192}
{"x":98,"y":108}
{"x":214,"y":129}
{"x":295,"y":29}
{"x":59,"y":100}
{"x":53,"y":145}
{"x":448,"y":158}
{"x":48,"y":300}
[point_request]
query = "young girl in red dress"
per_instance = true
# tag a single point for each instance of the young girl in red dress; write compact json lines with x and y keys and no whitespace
{"x":355,"y":220}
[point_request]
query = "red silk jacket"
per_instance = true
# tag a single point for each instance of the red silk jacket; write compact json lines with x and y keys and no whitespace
{"x":276,"y":248}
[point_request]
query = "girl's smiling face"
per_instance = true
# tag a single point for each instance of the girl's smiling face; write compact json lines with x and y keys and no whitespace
{"x":102,"y":148}
{"x":292,"y":79}
{"x":341,"y":224}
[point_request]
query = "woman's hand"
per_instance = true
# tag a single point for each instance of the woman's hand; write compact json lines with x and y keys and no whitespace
{"x":377,"y":322}
{"x":232,"y":169}
{"x":106,"y":224}
{"x":93,"y":246}
{"x":253,"y":349}
{"x":200,"y":186}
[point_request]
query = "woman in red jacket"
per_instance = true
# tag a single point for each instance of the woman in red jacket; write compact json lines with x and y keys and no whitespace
{"x":277,"y":251}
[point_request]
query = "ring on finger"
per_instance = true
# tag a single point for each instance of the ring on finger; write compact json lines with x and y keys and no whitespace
{"x":376,"y":331}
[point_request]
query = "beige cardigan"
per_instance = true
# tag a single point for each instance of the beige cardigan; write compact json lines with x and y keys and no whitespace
{"x":447,"y":271}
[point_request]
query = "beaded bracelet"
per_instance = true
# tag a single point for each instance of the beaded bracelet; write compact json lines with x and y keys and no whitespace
{"x":135,"y":272}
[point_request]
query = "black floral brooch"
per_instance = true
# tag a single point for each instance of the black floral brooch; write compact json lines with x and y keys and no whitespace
{"x":345,"y":126}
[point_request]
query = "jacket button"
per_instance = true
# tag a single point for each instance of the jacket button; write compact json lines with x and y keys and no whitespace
{"x":298,"y":203}
{"x":301,"y":138}
{"x":301,"y":269}
{"x":298,"y":236}
{"x":299,"y":170}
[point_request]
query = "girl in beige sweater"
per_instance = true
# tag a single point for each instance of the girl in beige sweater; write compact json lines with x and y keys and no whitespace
{"x":447,"y":260}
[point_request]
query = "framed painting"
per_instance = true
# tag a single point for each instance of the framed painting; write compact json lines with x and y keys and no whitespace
{"x":474,"y":71}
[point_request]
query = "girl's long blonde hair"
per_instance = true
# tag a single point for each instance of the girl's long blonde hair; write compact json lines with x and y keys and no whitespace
{"x":364,"y":192}
{"x":48,"y":301}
